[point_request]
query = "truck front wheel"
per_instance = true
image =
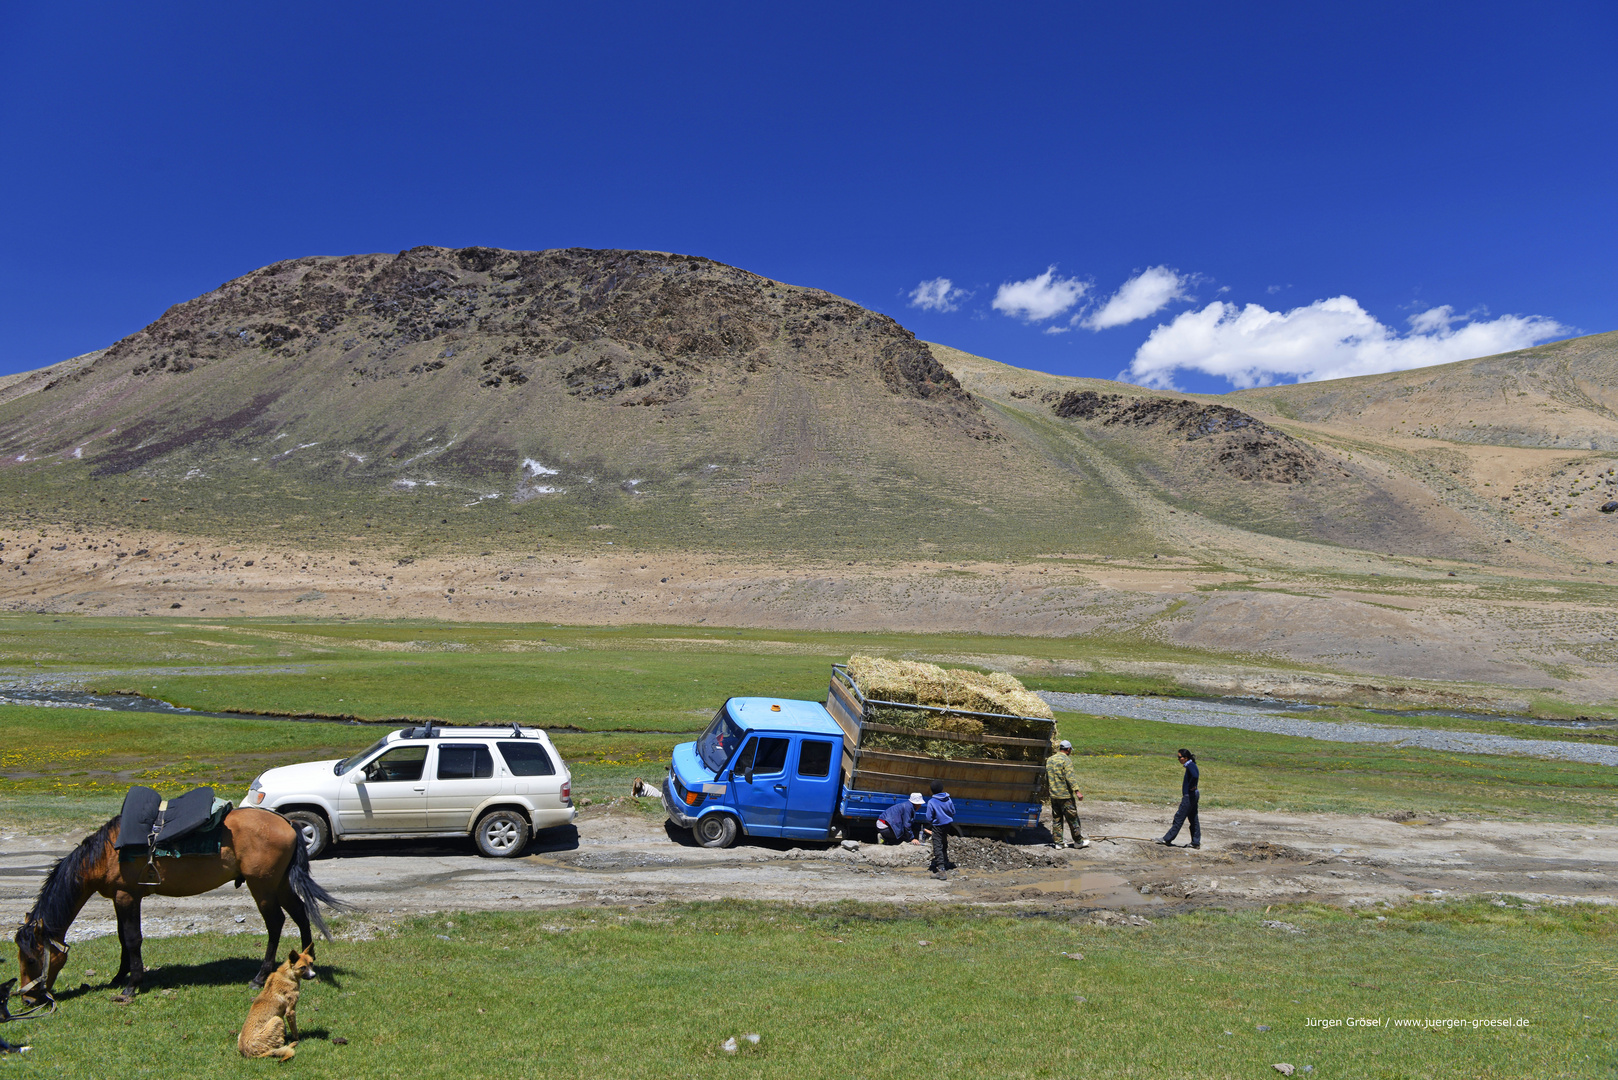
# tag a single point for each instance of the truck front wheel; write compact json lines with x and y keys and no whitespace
{"x":715,"y":831}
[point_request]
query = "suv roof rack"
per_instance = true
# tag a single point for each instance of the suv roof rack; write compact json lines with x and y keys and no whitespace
{"x":441,"y":731}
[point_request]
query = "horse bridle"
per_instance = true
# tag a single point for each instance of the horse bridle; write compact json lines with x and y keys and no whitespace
{"x":48,"y":1005}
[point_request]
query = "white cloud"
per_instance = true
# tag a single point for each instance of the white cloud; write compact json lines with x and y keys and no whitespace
{"x":1039,"y":298}
{"x":1147,"y":293}
{"x":939,"y":294}
{"x":1328,"y":339}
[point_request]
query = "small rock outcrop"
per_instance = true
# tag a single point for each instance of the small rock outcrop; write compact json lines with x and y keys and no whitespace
{"x":1248,"y":449}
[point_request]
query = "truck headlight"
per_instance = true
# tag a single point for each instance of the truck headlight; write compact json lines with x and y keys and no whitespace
{"x":255,"y":791}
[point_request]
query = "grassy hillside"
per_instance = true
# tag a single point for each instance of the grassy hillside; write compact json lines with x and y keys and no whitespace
{"x":1559,"y":396}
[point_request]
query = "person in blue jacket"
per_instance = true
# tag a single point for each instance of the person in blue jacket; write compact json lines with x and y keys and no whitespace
{"x":897,"y":824}
{"x":941,"y":816}
{"x":1188,"y":802}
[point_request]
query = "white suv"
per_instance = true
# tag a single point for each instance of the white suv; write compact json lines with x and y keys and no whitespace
{"x":500,"y":785}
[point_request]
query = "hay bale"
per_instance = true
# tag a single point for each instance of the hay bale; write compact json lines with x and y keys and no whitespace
{"x":1022,"y":701}
{"x":909,"y":682}
{"x":914,"y":683}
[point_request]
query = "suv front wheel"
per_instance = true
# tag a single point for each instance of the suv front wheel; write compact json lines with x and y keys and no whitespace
{"x":312,"y":827}
{"x":502,"y":834}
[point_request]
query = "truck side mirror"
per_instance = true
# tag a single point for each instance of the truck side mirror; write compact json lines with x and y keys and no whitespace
{"x":749,"y":776}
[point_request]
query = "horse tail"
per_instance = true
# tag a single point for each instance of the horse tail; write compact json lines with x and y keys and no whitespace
{"x":305,"y":888}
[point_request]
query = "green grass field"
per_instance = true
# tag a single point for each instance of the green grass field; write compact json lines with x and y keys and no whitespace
{"x":71,"y":765}
{"x":833,"y":992}
{"x":618,"y":699}
{"x":875,"y":992}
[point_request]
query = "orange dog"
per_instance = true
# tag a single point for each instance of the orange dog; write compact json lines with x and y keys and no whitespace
{"x":272,"y":1023}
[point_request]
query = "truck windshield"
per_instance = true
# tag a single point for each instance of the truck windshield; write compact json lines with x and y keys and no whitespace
{"x":348,"y":763}
{"x":720,"y":741}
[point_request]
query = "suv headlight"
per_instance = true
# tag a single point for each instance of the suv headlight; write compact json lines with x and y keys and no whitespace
{"x":255,"y":791}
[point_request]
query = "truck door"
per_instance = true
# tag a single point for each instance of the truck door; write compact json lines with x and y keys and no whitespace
{"x":760,"y":782}
{"x":812,"y":792}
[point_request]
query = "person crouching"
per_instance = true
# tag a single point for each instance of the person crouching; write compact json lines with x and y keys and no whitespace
{"x":941,"y":817}
{"x":897,"y":825}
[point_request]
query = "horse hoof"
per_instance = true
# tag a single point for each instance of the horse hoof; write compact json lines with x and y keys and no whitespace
{"x":123,"y":998}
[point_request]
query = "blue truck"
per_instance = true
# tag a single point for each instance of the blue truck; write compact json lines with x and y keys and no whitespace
{"x":806,"y":770}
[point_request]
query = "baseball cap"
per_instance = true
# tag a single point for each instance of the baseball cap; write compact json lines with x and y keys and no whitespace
{"x":1064,"y":745}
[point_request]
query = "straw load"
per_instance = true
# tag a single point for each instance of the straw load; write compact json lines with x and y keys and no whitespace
{"x":911,"y":683}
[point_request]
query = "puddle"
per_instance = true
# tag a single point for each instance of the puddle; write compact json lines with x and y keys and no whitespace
{"x":1107,"y":890}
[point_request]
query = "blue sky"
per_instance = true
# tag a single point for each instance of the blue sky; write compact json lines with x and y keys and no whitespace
{"x":1357,"y":187}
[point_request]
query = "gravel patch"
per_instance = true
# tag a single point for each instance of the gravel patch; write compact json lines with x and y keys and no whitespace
{"x":1265,"y":851}
{"x":1254,"y":718}
{"x":981,"y":853}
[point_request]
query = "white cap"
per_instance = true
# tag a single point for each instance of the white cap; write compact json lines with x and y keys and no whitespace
{"x":915,"y":797}
{"x":1064,"y":745}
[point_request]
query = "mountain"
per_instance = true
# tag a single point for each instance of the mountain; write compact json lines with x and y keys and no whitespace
{"x":562,"y":389}
{"x":507,"y":398}
{"x":605,"y":437}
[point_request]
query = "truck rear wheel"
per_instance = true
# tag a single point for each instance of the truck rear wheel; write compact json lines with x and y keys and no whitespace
{"x":715,"y":831}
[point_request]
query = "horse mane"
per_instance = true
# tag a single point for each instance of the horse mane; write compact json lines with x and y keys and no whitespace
{"x":56,"y":905}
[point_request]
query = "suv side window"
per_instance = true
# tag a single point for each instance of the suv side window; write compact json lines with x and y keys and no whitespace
{"x":814,"y":759}
{"x":402,"y":763}
{"x":464,"y":761}
{"x":772,"y":757}
{"x":527,"y":758}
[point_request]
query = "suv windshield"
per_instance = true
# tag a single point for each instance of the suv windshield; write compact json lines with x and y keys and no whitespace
{"x":349,"y":762}
{"x":720,"y":741}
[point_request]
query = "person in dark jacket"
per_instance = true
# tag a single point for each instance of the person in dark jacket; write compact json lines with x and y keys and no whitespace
{"x":1188,"y":802}
{"x":897,"y":824}
{"x":941,"y":816}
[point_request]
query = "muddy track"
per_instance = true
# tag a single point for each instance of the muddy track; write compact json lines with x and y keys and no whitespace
{"x":621,"y":856}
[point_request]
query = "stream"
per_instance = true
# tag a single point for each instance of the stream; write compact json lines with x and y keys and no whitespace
{"x":1245,"y":713}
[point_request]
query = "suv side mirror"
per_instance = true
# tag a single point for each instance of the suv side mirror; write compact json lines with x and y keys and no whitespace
{"x":354,"y":776}
{"x":749,"y":776}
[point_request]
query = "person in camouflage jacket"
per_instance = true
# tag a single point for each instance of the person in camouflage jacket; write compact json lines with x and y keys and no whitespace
{"x":1064,"y":793}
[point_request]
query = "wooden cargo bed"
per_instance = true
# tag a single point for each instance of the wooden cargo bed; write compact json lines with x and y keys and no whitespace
{"x":881,"y":770}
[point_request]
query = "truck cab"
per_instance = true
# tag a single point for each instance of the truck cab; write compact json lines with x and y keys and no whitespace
{"x":764,"y":767}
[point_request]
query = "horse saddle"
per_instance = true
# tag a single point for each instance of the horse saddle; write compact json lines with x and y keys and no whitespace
{"x":189,"y":825}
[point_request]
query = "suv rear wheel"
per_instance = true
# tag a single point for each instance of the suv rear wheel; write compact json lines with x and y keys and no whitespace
{"x":314,"y":830}
{"x":715,"y":831}
{"x":502,"y":834}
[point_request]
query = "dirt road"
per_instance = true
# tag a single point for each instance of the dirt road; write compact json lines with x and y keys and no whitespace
{"x":620,"y":857}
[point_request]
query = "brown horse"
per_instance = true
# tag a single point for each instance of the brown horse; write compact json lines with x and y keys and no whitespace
{"x":258,"y":847}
